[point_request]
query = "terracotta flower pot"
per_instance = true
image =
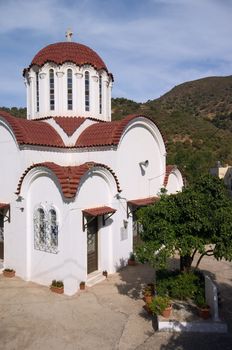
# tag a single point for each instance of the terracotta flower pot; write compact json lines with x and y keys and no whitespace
{"x":58,"y":290}
{"x":148,"y":309}
{"x":204,"y":312}
{"x":8,"y":273}
{"x":148,"y":298}
{"x":131,"y":262}
{"x":167,"y":312}
{"x":82,"y":286}
{"x":105,"y":273}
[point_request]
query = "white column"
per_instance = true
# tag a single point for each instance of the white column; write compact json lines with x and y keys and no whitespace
{"x":94,"y":97}
{"x":42,"y":94}
{"x":78,"y":95}
{"x":60,"y":97}
{"x":32,"y":96}
{"x":109,"y":100}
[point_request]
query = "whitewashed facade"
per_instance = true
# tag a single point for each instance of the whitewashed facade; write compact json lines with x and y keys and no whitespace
{"x":70,"y":178}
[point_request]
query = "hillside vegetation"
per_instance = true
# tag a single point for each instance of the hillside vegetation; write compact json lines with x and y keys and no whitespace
{"x":195,"y":119}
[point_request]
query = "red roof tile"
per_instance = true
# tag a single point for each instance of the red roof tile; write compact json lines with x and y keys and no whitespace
{"x":29,"y":132}
{"x":4,"y":205}
{"x":68,"y":176}
{"x":69,"y":124}
{"x":140,"y":202}
{"x":169,"y":169}
{"x":68,"y":52}
{"x":99,"y":211}
{"x":105,"y":134}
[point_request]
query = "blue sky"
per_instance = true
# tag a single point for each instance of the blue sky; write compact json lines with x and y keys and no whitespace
{"x":149,"y":45}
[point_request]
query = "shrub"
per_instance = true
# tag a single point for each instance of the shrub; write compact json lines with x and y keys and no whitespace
{"x":58,"y":284}
{"x":179,"y":285}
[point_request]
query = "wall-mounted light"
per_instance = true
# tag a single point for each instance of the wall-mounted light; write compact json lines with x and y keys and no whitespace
{"x":145,"y":163}
{"x":125,"y":224}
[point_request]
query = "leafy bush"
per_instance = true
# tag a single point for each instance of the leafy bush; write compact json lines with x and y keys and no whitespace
{"x":58,"y":284}
{"x":179,"y":285}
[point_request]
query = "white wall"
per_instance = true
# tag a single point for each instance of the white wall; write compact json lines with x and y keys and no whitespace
{"x":138,"y":144}
{"x":175,"y":182}
{"x":10,"y":164}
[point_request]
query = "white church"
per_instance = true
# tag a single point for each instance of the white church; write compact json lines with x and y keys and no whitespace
{"x":71,"y":179}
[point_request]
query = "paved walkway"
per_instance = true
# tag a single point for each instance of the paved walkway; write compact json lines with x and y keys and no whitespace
{"x":107,"y":316}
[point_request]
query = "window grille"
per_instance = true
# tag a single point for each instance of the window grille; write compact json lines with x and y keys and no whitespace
{"x":45,"y":230}
{"x":37,"y":91}
{"x":87,"y":92}
{"x":52,"y":89}
{"x":70,"y":89}
{"x":100,"y":94}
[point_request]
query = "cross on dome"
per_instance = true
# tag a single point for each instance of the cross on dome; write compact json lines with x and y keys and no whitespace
{"x":69,"y":34}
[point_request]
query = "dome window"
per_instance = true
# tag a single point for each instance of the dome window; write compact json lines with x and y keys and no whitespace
{"x":100,"y":94}
{"x":52,"y":89}
{"x":70,"y":89}
{"x":37,"y":91}
{"x":87,"y":89}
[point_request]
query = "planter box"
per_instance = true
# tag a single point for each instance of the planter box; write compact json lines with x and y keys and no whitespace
{"x":9,"y":273}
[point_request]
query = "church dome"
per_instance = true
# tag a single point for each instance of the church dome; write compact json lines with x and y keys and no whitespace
{"x":62,"y":52}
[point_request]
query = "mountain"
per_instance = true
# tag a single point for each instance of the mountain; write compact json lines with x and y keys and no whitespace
{"x":196,"y":120}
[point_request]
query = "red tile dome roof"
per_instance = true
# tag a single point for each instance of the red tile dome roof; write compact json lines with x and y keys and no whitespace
{"x":68,"y":52}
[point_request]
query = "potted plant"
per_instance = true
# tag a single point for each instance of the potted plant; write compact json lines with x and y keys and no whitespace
{"x":8,"y":272}
{"x":148,"y":294}
{"x":105,"y":273}
{"x":161,"y":305}
{"x":57,"y":287}
{"x":203,"y":308}
{"x":82,"y":285}
{"x":131,"y":260}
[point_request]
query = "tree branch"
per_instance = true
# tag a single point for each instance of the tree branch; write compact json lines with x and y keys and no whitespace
{"x":202,"y":255}
{"x":193,"y":254}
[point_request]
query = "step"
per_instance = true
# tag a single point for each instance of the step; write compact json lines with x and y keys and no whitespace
{"x":94,"y":278}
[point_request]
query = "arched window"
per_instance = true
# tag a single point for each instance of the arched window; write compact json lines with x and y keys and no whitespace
{"x":45,"y":230}
{"x":37,"y":91}
{"x":53,"y":227}
{"x":70,"y":89}
{"x":52,"y":89}
{"x":100,"y":94}
{"x":87,"y":89}
{"x":39,"y":228}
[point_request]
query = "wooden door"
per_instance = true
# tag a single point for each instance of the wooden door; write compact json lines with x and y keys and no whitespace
{"x":92,"y":245}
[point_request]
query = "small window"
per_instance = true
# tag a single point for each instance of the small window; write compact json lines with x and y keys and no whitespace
{"x":52,"y":89}
{"x":45,"y":230}
{"x":87,"y":90}
{"x":70,"y":89}
{"x":100,"y":94}
{"x":37,"y":91}
{"x":53,"y":228}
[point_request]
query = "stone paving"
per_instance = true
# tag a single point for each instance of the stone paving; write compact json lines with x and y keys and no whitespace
{"x":107,"y":316}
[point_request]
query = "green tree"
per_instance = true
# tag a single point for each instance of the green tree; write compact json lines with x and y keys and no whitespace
{"x":199,"y":219}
